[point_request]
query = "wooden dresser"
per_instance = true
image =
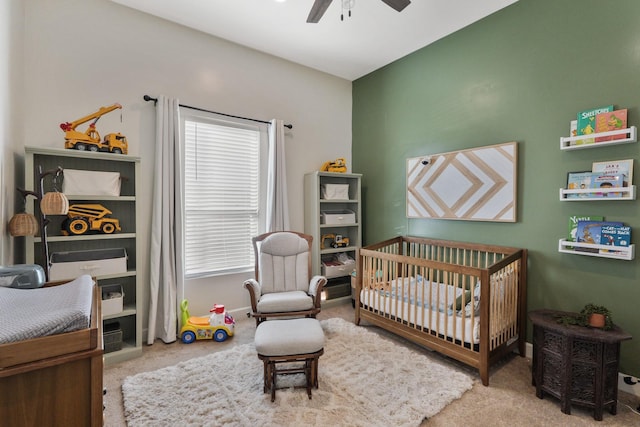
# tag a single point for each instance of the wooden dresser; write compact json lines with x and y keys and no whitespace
{"x":576,"y":364}
{"x":54,"y":380}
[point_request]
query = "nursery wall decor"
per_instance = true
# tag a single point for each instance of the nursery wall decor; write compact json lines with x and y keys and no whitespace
{"x":477,"y":184}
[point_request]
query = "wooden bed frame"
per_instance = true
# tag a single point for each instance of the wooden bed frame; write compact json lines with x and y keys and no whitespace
{"x":56,"y":379}
{"x":500,"y":314}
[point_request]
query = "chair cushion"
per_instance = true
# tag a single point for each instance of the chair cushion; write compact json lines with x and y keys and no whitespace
{"x":284,"y":263}
{"x":289,"y":337}
{"x":284,"y":301}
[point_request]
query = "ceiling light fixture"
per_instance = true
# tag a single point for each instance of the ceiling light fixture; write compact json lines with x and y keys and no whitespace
{"x":320,"y":7}
{"x":347,"y":4}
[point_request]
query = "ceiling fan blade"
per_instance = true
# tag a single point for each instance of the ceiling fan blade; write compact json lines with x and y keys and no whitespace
{"x":317,"y":10}
{"x":397,"y":4}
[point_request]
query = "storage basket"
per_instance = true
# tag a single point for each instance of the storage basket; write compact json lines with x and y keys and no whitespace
{"x":335,"y":191}
{"x":112,"y":337}
{"x":91,"y":183}
{"x":96,"y":262}
{"x":344,"y":216}
{"x":112,"y":299}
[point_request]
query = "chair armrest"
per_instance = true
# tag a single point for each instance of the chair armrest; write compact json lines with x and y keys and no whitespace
{"x":255,"y":291}
{"x":315,"y":290}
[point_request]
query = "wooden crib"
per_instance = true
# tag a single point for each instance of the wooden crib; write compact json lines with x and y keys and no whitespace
{"x":464,"y":300}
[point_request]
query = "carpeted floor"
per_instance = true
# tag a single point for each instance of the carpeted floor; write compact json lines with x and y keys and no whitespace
{"x":362,"y":376}
{"x":509,"y":400}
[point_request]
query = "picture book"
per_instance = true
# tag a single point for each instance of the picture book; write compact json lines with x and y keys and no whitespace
{"x":573,"y":224}
{"x":573,"y":130}
{"x":606,"y":180}
{"x":591,"y":232}
{"x":624,"y":167}
{"x":614,"y":120}
{"x":578,"y":181}
{"x":615,"y":235}
{"x":586,"y":122}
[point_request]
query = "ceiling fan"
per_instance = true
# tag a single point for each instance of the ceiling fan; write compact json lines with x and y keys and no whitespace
{"x":320,"y":7}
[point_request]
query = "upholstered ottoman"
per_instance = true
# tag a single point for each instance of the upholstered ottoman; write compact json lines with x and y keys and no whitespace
{"x":289,"y":341}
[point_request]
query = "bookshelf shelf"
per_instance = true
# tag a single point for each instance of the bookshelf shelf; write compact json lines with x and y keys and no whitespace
{"x":621,"y":252}
{"x":628,"y":193}
{"x":575,"y":142}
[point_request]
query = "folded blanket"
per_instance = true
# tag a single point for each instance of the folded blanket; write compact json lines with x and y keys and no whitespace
{"x":32,"y":313}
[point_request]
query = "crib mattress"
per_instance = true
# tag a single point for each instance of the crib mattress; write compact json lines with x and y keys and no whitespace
{"x":33,"y":313}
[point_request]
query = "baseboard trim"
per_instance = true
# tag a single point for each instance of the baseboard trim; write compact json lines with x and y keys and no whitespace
{"x":622,"y":386}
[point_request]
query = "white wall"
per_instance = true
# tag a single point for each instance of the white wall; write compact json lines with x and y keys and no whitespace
{"x":11,"y":32}
{"x":83,"y":54}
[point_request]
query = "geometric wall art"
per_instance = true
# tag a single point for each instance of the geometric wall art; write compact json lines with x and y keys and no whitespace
{"x":477,"y":184}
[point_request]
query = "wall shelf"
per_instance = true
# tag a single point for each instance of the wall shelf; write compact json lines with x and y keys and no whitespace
{"x":621,"y":252}
{"x":631,"y":133}
{"x":628,"y":193}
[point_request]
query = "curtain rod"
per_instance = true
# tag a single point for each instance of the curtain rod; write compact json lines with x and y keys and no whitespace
{"x":155,"y":100}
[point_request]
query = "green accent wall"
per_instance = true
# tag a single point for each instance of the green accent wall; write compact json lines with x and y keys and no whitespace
{"x":521,"y":74}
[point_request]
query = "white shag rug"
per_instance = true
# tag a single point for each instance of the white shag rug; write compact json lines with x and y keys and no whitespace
{"x":364,"y":380}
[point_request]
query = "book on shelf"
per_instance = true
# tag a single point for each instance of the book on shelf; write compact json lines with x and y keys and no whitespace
{"x":573,"y":130}
{"x":591,"y":232}
{"x":615,"y":235}
{"x":614,"y":120}
{"x":586,"y":122}
{"x":578,"y":181}
{"x":615,"y":167}
{"x":607,"y":180}
{"x":573,"y":224}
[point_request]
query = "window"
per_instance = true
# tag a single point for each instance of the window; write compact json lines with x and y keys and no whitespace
{"x":223,"y":195}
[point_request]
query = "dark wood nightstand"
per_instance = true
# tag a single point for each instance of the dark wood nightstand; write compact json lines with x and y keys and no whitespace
{"x":576,"y":364}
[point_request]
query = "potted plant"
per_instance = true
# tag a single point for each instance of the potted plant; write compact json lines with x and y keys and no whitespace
{"x":597,"y":316}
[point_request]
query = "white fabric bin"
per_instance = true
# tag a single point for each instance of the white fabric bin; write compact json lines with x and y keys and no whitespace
{"x":335,"y":191}
{"x":112,"y":299}
{"x":97,"y":262}
{"x":90,"y":183}
{"x":344,"y":216}
{"x":331,"y":271}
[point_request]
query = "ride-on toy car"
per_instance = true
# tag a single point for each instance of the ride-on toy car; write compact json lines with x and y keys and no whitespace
{"x":218,"y":326}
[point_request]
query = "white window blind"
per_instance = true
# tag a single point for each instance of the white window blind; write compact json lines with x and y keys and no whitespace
{"x":222,"y":200}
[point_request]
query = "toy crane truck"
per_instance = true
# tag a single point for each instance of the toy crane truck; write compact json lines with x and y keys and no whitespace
{"x":83,"y":218}
{"x":90,"y":139}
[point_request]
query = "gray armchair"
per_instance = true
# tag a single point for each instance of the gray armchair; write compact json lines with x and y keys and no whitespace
{"x":283,"y":286}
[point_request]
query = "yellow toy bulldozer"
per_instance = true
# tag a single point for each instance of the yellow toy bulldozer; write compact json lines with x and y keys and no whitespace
{"x":338,"y":165}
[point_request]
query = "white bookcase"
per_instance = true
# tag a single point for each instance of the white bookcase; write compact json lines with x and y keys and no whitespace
{"x":123,"y":208}
{"x":338,"y":217}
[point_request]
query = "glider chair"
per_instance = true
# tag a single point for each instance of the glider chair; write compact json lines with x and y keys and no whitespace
{"x":283,"y":286}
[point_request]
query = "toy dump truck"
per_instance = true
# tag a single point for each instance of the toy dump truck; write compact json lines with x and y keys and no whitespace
{"x":84,"y":218}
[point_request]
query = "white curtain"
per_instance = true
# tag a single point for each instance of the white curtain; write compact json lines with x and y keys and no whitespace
{"x":277,"y":201}
{"x":166,"y":274}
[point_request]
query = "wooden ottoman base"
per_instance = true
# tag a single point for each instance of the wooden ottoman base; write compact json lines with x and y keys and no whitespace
{"x":298,"y":343}
{"x":309,"y":368}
